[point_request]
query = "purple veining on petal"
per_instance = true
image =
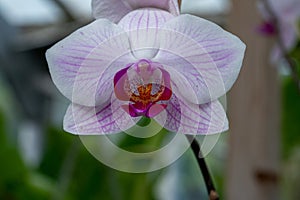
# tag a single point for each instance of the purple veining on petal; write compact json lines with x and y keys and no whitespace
{"x":98,"y":111}
{"x":208,"y":57}
{"x":77,"y":62}
{"x":143,"y":27}
{"x":96,"y":120}
{"x":184,"y":114}
{"x":189,"y":118}
{"x":177,"y":108}
{"x":148,"y":18}
{"x":131,"y":20}
{"x":139,"y":23}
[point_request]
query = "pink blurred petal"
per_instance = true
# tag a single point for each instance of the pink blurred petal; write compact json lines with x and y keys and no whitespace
{"x":289,"y":34}
{"x":115,"y":10}
{"x":287,"y":10}
{"x":287,"y":13}
{"x":289,"y":39}
{"x":112,"y":10}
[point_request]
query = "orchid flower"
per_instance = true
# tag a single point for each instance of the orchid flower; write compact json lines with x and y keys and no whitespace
{"x":287,"y":13}
{"x":143,"y":59}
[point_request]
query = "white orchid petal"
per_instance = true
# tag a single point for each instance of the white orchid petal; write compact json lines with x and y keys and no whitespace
{"x":185,"y":117}
{"x":106,"y":119}
{"x":143,"y":28}
{"x":83,"y":64}
{"x":206,"y":55}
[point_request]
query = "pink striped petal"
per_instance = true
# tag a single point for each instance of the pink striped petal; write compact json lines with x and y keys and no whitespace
{"x":289,"y":38}
{"x":115,"y":10}
{"x":185,"y":117}
{"x":112,"y":10}
{"x":287,"y":10}
{"x":143,"y":28}
{"x":205,"y":55}
{"x":106,"y":119}
{"x":82,"y":65}
{"x":288,"y":16}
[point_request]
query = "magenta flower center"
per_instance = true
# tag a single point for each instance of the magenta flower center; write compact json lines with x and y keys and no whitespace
{"x":145,"y":86}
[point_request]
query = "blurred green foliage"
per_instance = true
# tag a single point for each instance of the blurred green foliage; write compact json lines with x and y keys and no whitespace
{"x":67,"y":171}
{"x":14,"y":176}
{"x":81,"y":176}
{"x":291,"y":133}
{"x":295,"y":55}
{"x":291,"y":108}
{"x":290,"y":117}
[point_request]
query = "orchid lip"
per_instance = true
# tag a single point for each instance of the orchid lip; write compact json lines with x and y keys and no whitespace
{"x":145,"y":85}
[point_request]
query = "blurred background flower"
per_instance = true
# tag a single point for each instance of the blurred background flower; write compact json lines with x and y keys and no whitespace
{"x":281,"y":18}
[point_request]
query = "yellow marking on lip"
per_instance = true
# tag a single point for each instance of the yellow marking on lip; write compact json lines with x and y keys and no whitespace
{"x":145,"y":97}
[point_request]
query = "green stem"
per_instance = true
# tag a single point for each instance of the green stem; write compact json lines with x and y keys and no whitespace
{"x":212,"y":193}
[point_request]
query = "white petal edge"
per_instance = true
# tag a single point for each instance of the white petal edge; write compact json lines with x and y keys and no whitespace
{"x":105,"y":119}
{"x":203,"y":52}
{"x":78,"y":62}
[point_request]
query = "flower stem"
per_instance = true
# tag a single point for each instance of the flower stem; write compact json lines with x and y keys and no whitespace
{"x":291,"y":64}
{"x":213,"y":195}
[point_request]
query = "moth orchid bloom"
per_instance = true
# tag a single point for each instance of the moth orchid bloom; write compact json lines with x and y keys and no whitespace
{"x":287,"y":13}
{"x":141,"y":59}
